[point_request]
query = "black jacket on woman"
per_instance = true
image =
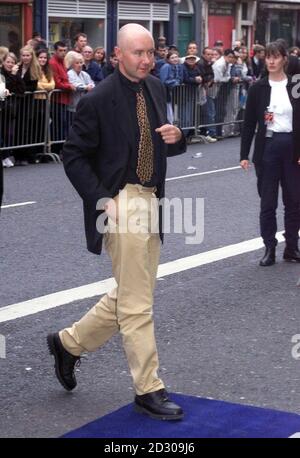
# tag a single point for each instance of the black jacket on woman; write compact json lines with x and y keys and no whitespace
{"x":258,"y":100}
{"x":30,"y":84}
{"x":13,"y":83}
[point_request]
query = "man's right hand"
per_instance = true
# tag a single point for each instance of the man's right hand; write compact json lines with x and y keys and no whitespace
{"x":245,"y":164}
{"x":111,"y":209}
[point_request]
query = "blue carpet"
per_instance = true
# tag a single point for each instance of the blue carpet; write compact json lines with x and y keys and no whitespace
{"x":204,"y":418}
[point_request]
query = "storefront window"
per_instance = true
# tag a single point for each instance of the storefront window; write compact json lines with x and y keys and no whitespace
{"x":281,"y":25}
{"x":186,"y":6}
{"x":67,"y":28}
{"x":150,"y":15}
{"x":11,"y":27}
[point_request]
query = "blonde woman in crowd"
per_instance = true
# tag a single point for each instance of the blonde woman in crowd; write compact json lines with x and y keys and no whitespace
{"x":30,"y":72}
{"x":99,"y":56}
{"x":69,"y":57}
{"x":78,"y":78}
{"x":9,"y":107}
{"x":29,"y":68}
{"x":3,"y":52}
{"x":45,"y":83}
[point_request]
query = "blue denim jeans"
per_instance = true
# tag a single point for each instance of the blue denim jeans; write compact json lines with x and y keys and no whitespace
{"x":210,"y":116}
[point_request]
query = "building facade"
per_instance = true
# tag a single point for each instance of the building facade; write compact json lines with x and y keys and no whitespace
{"x":178,"y":20}
{"x":229,"y":21}
{"x":278,"y":19}
{"x":100,"y":19}
{"x":16,"y":19}
{"x":187,"y":23}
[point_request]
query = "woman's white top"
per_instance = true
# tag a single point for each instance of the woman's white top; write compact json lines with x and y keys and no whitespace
{"x":281,"y":106}
{"x":80,"y":81}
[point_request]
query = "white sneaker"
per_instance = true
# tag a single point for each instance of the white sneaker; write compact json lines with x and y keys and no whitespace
{"x":210,"y":139}
{"x":7,"y":162}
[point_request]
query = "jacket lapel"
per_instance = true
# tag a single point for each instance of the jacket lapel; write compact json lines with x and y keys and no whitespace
{"x":157,"y":101}
{"x":121,"y":110}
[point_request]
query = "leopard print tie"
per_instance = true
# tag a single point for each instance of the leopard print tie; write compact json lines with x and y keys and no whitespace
{"x":145,"y":154}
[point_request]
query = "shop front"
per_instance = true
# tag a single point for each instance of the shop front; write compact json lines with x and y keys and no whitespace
{"x":101,"y":19}
{"x":66,"y":19}
{"x":229,"y":21}
{"x":15,"y":23}
{"x":278,"y":19}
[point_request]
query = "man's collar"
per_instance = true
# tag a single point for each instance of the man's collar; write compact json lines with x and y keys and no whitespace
{"x":136,"y":87}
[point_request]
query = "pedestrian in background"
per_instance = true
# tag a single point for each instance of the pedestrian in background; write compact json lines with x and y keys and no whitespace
{"x":273,"y":103}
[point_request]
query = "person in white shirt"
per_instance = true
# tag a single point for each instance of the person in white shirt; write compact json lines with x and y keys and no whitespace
{"x":274,"y":104}
{"x":222,"y":78}
{"x":78,"y":78}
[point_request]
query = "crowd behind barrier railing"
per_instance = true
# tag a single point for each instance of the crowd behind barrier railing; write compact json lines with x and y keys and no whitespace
{"x":217,"y":110}
{"x":40,"y":120}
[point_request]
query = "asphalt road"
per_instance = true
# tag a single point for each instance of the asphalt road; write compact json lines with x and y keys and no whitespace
{"x":223,"y":329}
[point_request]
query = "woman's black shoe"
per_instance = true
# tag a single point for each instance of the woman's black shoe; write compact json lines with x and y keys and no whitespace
{"x":158,"y":406}
{"x":268,"y":258}
{"x":291,"y":255}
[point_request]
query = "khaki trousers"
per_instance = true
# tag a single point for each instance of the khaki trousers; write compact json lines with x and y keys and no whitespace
{"x":133,"y":244}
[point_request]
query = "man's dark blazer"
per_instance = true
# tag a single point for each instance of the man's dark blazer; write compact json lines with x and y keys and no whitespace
{"x":97,"y":151}
{"x":1,"y":182}
{"x":258,"y":100}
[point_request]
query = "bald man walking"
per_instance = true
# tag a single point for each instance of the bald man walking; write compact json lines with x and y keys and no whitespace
{"x":115,"y":157}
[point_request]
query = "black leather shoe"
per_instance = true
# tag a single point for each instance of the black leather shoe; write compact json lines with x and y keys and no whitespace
{"x":268,"y":258}
{"x":64,"y":362}
{"x":157,"y":405}
{"x":291,"y":255}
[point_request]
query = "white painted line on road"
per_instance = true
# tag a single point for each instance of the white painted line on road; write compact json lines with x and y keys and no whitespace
{"x":168,"y":179}
{"x":18,"y":205}
{"x":39,"y":304}
{"x":200,"y":259}
{"x":203,"y":173}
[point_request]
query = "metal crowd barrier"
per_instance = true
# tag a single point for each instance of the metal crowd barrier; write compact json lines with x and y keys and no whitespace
{"x":23,"y":120}
{"x":36,"y":120}
{"x":217,"y":110}
{"x":41,"y":121}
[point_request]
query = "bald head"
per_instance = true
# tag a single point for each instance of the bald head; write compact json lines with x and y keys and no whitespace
{"x":135,"y":52}
{"x":131,"y":32}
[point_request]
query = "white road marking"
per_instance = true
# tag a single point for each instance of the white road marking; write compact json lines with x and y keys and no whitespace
{"x":18,"y":205}
{"x":295,"y":436}
{"x":39,"y":304}
{"x":209,"y":172}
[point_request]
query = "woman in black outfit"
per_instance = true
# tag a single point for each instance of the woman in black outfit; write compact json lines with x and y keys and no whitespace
{"x":274,"y":104}
{"x":10,"y":112}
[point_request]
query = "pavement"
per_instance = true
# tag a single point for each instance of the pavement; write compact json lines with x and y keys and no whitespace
{"x":224,"y":328}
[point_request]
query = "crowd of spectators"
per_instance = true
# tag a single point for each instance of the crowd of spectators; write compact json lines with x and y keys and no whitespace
{"x":212,"y":77}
